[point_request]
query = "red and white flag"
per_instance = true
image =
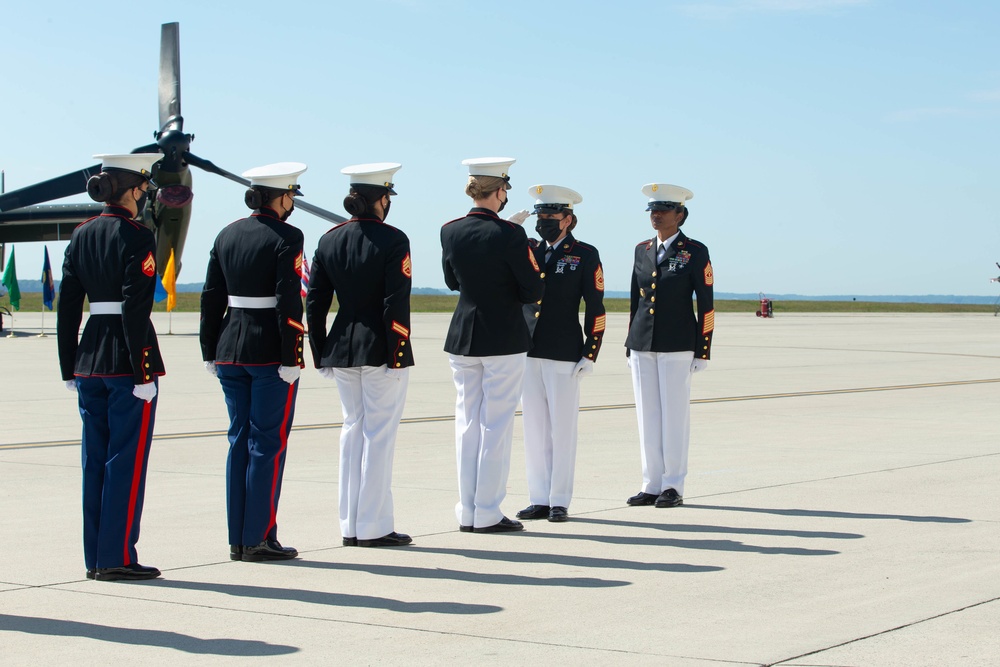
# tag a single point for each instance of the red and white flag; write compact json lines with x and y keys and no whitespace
{"x":305,"y":276}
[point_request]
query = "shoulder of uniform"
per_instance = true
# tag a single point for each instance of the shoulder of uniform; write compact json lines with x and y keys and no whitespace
{"x":532,"y":243}
{"x":455,"y":220}
{"x":644,"y":244}
{"x":585,"y":246}
{"x":696,"y":244}
{"x":85,"y":222}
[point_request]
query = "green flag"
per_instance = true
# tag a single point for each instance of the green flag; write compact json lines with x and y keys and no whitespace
{"x":10,"y":282}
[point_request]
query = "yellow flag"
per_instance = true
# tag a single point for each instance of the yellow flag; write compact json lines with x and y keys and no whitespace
{"x":170,"y":282}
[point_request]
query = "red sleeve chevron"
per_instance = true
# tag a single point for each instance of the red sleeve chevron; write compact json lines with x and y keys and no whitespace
{"x":400,"y":329}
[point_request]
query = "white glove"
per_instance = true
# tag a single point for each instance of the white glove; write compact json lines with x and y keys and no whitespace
{"x":628,"y":361}
{"x":210,"y":367}
{"x":71,"y":385}
{"x":395,"y":373}
{"x":519,"y":217}
{"x":146,"y":392}
{"x":289,"y":374}
{"x":698,"y":365}
{"x":583,"y":367}
{"x":326,"y":373}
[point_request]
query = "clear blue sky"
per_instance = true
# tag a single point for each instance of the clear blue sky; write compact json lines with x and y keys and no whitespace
{"x":833,"y":146}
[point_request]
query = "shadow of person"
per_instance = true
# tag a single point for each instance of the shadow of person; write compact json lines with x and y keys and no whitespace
{"x":706,"y":545}
{"x":569,"y":560}
{"x":830,"y":514}
{"x":726,"y":530}
{"x":461,"y":575}
{"x":328,"y":599}
{"x":139,"y":637}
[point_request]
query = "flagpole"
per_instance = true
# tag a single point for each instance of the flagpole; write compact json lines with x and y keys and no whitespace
{"x":42,"y":334}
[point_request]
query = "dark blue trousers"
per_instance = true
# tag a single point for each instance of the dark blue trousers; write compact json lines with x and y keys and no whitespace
{"x":117,"y":430}
{"x":261,"y":408}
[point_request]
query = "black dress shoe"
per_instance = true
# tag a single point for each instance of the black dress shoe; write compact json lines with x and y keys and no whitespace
{"x":91,"y":572}
{"x":391,"y":540}
{"x":268,"y":550}
{"x":505,"y":526}
{"x":669,"y":498}
{"x":133,"y":572}
{"x":350,"y":541}
{"x":642,"y":499}
{"x":533,"y":512}
{"x":558,"y":514}
{"x":235,"y":552}
{"x":465,"y":529}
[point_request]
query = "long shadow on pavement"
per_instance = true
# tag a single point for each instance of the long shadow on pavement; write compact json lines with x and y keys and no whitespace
{"x":728,"y":530}
{"x":328,"y":599}
{"x":706,"y":545}
{"x":461,"y":575}
{"x":829,"y":514}
{"x":568,"y":560}
{"x":136,"y":637}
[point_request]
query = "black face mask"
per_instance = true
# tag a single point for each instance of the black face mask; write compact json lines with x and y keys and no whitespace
{"x":284,"y":216}
{"x":503,"y":204}
{"x":140,"y":204}
{"x":548,"y":229}
{"x":385,"y":211}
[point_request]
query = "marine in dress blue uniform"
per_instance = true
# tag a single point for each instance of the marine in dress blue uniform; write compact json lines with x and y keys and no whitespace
{"x":562,"y":351}
{"x":667,"y":342}
{"x":111,"y":260}
{"x":488,"y":261}
{"x":366,"y":264}
{"x":252,"y":338}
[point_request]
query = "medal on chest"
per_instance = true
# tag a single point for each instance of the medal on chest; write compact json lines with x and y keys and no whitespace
{"x":678,"y":261}
{"x":567,"y":260}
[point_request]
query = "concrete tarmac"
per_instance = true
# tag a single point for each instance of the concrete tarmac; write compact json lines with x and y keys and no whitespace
{"x":840,"y":510}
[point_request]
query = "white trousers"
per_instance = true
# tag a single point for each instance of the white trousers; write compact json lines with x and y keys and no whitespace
{"x":488,"y":389}
{"x":373,"y":405}
{"x":662,"y":385}
{"x":550,"y":403}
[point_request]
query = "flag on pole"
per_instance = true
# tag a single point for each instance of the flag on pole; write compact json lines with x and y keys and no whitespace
{"x":10,"y":282}
{"x":170,"y":282}
{"x":48,"y":285}
{"x":160,"y":294}
{"x":305,"y":275}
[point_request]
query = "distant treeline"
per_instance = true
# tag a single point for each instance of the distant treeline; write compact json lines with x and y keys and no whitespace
{"x":36,"y":286}
{"x":189,"y":302}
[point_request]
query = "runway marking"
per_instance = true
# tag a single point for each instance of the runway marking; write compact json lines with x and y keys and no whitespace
{"x":586,"y":408}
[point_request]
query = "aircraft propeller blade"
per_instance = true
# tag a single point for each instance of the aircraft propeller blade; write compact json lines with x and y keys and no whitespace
{"x":54,"y":188}
{"x":317,"y":211}
{"x":170,"y":77}
{"x":207,"y":165}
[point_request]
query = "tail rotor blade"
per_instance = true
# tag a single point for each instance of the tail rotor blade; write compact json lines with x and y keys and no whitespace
{"x":55,"y":188}
{"x":170,"y":76}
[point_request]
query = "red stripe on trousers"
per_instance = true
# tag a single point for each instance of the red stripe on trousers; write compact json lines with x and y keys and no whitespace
{"x":277,"y":459}
{"x":140,"y":455}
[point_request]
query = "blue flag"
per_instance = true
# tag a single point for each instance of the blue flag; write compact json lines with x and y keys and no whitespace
{"x":161,"y":293}
{"x":48,"y":285}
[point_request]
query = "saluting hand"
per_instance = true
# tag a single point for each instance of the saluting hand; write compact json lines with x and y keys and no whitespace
{"x":519,"y":217}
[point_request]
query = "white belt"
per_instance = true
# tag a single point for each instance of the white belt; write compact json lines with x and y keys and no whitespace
{"x":106,"y":308}
{"x":253,"y":302}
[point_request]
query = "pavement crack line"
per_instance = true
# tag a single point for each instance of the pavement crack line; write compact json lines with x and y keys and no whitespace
{"x":882,"y":632}
{"x":388,"y":626}
{"x":589,"y":408}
